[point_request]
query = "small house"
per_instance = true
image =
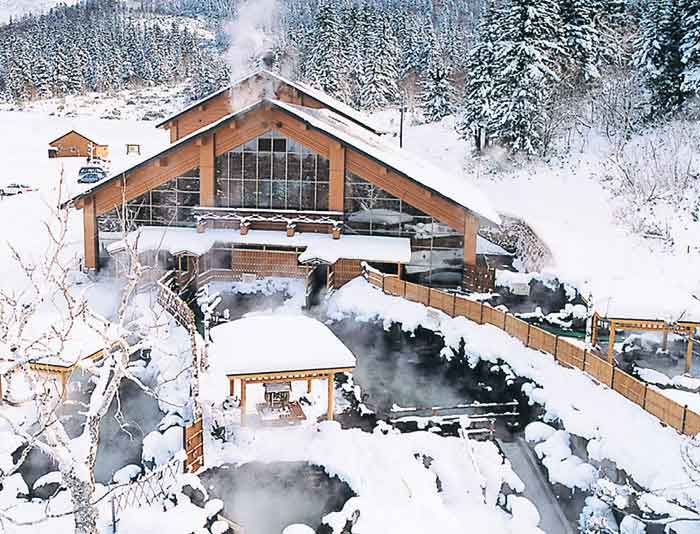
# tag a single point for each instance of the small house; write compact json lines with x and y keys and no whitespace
{"x":73,"y":144}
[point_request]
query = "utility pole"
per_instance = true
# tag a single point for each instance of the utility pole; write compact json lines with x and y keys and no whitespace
{"x":403,"y":112}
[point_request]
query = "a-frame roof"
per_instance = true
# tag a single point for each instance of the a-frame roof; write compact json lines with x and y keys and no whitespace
{"x":330,"y":102}
{"x":451,"y":187}
{"x":76,"y":133}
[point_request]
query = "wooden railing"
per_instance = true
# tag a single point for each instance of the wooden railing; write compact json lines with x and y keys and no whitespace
{"x":564,"y":351}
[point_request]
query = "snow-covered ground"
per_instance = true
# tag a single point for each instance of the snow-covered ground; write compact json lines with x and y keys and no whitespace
{"x":568,"y":207}
{"x":617,"y":429}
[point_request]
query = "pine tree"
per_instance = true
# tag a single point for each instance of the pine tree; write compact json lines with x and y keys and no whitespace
{"x":690,"y":46}
{"x":380,"y":73}
{"x":480,"y":83}
{"x":582,"y":37}
{"x":659,"y":56}
{"x":437,"y":96}
{"x":326,"y":63}
{"x":528,"y":56}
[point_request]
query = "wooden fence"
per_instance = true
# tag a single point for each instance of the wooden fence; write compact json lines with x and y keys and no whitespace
{"x":564,"y":351}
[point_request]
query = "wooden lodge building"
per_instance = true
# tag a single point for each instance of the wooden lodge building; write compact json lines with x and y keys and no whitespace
{"x":73,"y":144}
{"x":272,"y":177}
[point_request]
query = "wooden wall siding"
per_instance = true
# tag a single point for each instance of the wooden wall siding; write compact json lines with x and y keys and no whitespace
{"x":441,"y":209}
{"x":73,"y":140}
{"x":416,"y":293}
{"x":629,"y":387}
{"x":599,"y":369}
{"x":207,"y":181}
{"x":393,"y":285}
{"x":570,"y":354}
{"x":210,"y":111}
{"x":90,"y":235}
{"x":518,"y":328}
{"x":494,"y":316}
{"x":542,"y":340}
{"x":665,"y":409}
{"x":692,"y":423}
{"x":469,"y":309}
{"x":444,"y":302}
{"x":267,"y":263}
{"x":346,"y":270}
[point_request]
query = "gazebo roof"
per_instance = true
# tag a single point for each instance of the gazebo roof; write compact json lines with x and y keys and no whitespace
{"x":276,"y":343}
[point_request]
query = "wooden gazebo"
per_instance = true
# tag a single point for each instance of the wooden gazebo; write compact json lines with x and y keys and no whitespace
{"x":684,"y":328}
{"x":271,"y":349}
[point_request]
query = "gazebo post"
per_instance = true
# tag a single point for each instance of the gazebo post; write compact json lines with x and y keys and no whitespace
{"x":243,"y":401}
{"x":594,"y":330}
{"x":689,"y":352}
{"x":232,"y":386}
{"x":664,"y":340}
{"x":611,"y":343}
{"x":329,"y":415}
{"x":308,"y":386}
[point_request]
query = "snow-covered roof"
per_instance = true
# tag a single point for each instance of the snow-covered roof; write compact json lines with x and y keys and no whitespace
{"x":270,"y":343}
{"x":451,"y":186}
{"x":486,"y":247}
{"x":318,"y":246}
{"x":82,"y":340}
{"x":632,"y":301}
{"x":325,"y":99}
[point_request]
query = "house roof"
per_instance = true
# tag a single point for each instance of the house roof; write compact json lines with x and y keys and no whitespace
{"x":318,"y":246}
{"x":77,"y":133}
{"x":334,"y":104}
{"x":298,"y":343}
{"x":452,"y":187}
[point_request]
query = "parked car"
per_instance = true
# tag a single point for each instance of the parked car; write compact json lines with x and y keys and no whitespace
{"x":15,"y":189}
{"x":91,"y":174}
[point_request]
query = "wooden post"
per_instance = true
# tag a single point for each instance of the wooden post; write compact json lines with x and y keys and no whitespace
{"x":664,"y":340}
{"x":207,"y":174}
{"x":471,"y":228}
{"x":329,"y":414}
{"x":611,"y":343}
{"x":232,"y":386}
{"x":689,"y":352}
{"x":243,"y":401}
{"x":337,"y":177}
{"x":308,"y":386}
{"x":594,"y":330}
{"x":173,"y":132}
{"x":90,"y":236}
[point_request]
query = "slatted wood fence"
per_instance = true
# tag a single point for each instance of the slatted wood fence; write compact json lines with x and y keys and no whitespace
{"x":564,"y":351}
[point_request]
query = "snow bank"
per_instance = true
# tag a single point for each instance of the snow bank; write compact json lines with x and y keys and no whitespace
{"x":618,"y":430}
{"x":395,"y":490}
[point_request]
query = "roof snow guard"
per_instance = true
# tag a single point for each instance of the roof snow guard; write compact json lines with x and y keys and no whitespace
{"x":334,"y":104}
{"x":455,"y":189}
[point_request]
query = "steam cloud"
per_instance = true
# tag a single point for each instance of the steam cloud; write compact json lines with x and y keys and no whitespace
{"x":252,"y":34}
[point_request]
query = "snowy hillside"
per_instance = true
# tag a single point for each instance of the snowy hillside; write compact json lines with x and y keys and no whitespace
{"x":16,"y":8}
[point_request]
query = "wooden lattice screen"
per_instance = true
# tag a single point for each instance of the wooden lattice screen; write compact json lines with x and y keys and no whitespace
{"x":194,"y":446}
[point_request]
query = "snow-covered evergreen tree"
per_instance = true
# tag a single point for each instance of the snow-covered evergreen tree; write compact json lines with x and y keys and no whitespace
{"x":659,"y":56}
{"x":437,"y":95}
{"x":690,"y":46}
{"x":326,"y":63}
{"x":528,"y":54}
{"x":582,"y":37}
{"x":380,"y":75}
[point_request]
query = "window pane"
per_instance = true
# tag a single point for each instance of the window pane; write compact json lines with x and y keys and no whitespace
{"x":250,"y":166}
{"x":293,"y":195}
{"x":322,"y":197}
{"x":249,"y":194}
{"x":293,"y":167}
{"x":280,"y":145}
{"x":279,"y":193}
{"x":236,"y":166}
{"x":323,"y":169}
{"x":264,"y":194}
{"x":308,"y":168}
{"x":264,"y":144}
{"x":189,"y":199}
{"x":235,"y":194}
{"x":279,"y":167}
{"x":308,"y":200}
{"x":264,"y":166}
